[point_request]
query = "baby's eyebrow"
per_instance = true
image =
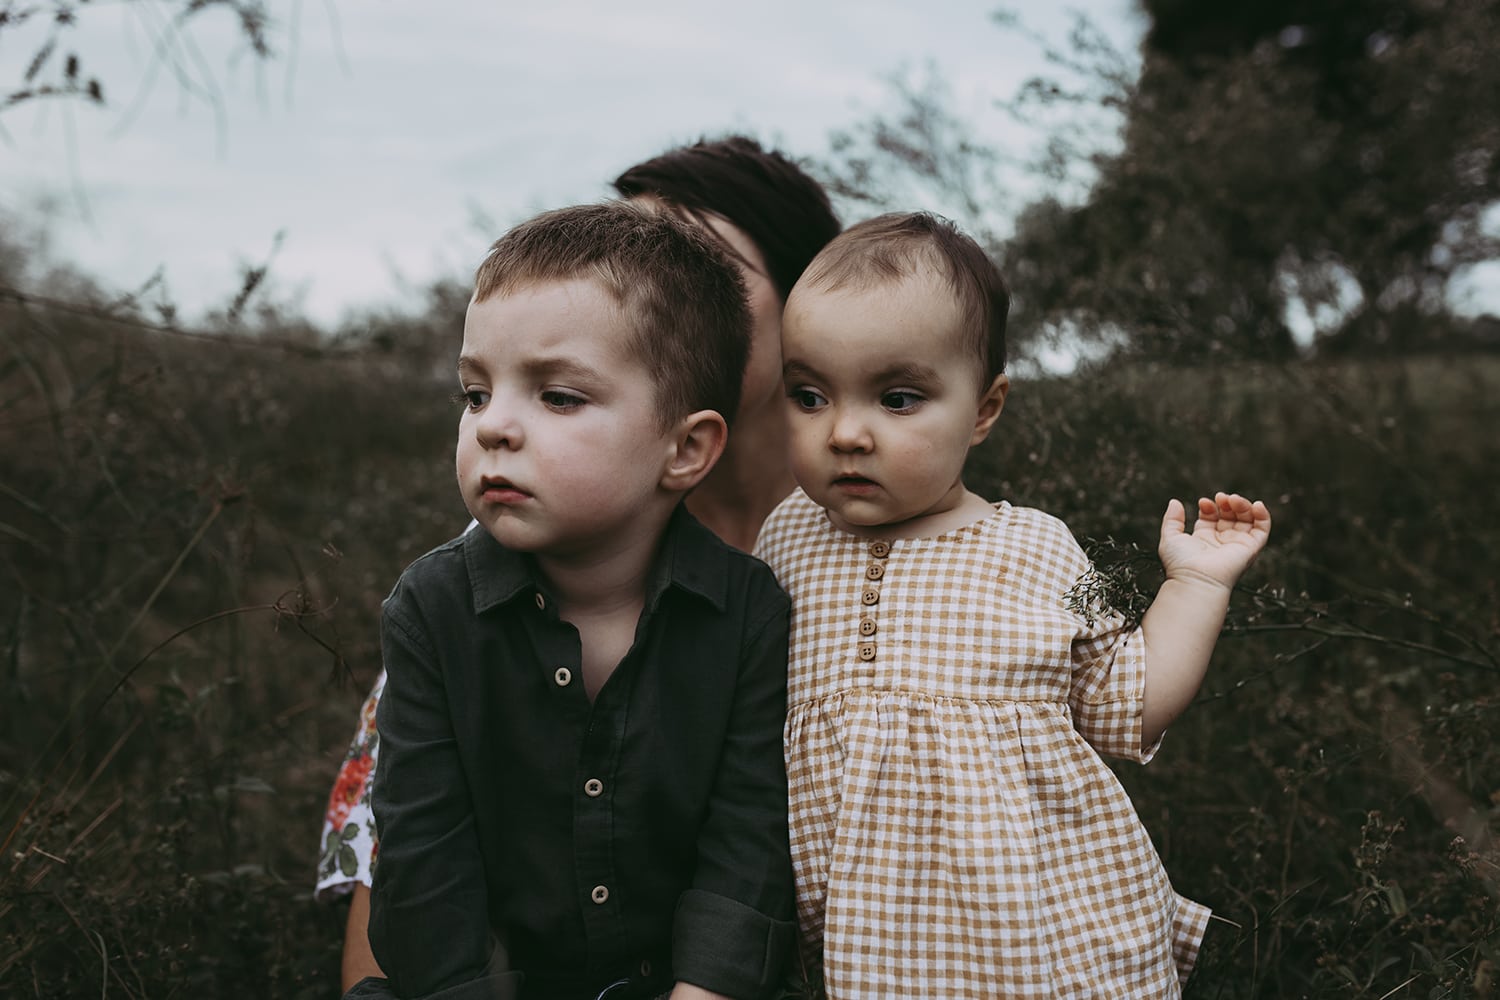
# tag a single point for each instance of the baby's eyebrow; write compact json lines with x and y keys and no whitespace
{"x":909,"y":372}
{"x":796,"y":369}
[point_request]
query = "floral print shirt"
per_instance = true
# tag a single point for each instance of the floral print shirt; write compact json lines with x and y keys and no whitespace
{"x":349,"y":841}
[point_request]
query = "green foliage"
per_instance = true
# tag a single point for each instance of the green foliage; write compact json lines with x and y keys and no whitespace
{"x":1334,"y":156}
{"x":198,"y":533}
{"x":1283,"y":149}
{"x":195,"y":534}
{"x":1335,"y":793}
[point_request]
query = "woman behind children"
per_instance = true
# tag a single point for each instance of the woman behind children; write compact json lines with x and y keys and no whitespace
{"x":772,"y":218}
{"x":954,"y":832}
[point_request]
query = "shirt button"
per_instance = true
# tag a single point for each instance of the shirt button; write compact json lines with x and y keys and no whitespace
{"x":645,"y":967}
{"x":867,"y":651}
{"x":870,"y":596}
{"x":867,"y":626}
{"x":593,"y":788}
{"x":600,"y":894}
{"x":541,"y":602}
{"x":875,"y":571}
{"x":880,"y":549}
{"x":564,"y":677}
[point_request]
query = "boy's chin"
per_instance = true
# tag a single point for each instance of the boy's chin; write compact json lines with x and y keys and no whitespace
{"x":508,"y":533}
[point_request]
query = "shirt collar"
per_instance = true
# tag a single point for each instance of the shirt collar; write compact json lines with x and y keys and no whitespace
{"x":690,"y":558}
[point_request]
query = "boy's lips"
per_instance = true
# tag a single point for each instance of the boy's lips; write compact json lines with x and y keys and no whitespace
{"x":498,"y":490}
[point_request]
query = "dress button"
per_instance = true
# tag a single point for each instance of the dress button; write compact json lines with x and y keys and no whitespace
{"x":867,"y":651}
{"x":600,"y":894}
{"x":867,"y":626}
{"x":564,"y":677}
{"x":875,"y":571}
{"x":645,"y":967}
{"x":541,"y":602}
{"x":593,"y":788}
{"x":870,"y":596}
{"x":880,"y":549}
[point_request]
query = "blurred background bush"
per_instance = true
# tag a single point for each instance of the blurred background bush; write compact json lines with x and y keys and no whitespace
{"x":1254,"y":290}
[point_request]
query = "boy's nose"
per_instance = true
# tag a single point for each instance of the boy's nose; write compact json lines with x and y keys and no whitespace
{"x":497,"y":427}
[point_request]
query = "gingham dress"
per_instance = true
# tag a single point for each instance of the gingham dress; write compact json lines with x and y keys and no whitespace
{"x":953,"y":830}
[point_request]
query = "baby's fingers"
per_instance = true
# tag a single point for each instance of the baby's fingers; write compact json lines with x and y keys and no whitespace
{"x":1234,"y":513}
{"x":1174,"y":521}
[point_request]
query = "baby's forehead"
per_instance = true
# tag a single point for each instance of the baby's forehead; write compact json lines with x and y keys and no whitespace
{"x":917,"y":280}
{"x":924,"y":292}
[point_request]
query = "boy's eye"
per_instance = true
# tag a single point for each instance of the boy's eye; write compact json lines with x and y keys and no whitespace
{"x":474,"y":399}
{"x":805,"y":398}
{"x":560,"y":399}
{"x":901,"y":401}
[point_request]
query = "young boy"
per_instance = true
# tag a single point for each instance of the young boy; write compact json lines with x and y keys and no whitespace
{"x":581,"y":790}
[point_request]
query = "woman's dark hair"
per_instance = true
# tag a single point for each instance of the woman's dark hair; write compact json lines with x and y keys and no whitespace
{"x":760,"y":191}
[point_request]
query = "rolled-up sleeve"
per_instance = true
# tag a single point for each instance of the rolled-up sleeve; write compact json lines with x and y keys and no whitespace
{"x":1109,"y":688}
{"x":429,"y":926}
{"x":733,"y":930}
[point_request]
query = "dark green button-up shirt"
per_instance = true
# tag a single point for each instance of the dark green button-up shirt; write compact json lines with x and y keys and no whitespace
{"x":526,"y":830}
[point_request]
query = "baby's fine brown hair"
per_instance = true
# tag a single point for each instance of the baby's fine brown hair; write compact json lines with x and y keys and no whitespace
{"x":890,"y":247}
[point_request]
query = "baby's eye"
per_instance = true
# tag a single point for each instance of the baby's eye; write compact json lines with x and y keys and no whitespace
{"x":805,"y":398}
{"x":474,"y":399}
{"x":901,"y":401}
{"x":560,"y":399}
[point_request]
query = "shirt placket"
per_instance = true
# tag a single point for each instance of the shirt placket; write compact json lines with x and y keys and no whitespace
{"x":867,"y":640}
{"x":602,"y":736}
{"x":593,"y":822}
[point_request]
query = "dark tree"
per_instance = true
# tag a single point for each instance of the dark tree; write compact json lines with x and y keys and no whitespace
{"x":1296,"y":147}
{"x":1336,"y":154}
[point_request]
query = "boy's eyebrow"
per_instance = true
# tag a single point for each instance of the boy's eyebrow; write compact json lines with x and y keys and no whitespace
{"x":561,"y":367}
{"x":564,"y":367}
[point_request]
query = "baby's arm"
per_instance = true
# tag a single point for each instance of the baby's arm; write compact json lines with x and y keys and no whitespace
{"x":1184,"y":620}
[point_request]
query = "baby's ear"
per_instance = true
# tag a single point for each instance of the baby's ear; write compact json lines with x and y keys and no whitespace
{"x":698,"y":440}
{"x":991,"y":402}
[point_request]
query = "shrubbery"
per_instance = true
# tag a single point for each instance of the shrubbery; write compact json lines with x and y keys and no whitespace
{"x":195,"y":537}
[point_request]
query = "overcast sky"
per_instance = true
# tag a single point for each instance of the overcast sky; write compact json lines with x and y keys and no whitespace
{"x":381,"y":129}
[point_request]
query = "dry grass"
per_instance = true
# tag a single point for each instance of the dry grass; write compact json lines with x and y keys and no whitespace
{"x":195,"y":537}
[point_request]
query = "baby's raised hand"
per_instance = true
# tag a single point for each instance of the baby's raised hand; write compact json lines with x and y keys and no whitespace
{"x":1230,"y":531}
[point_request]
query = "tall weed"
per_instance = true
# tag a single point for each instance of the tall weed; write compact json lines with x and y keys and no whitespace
{"x":195,"y":537}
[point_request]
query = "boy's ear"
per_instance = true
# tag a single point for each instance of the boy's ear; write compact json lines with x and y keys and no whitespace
{"x":697,"y":443}
{"x":991,"y":402}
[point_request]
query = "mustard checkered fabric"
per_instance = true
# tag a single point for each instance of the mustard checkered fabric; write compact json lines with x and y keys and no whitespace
{"x":954,"y":831}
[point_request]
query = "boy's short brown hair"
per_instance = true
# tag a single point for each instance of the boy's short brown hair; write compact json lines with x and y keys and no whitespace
{"x":895,"y":246}
{"x":682,"y":297}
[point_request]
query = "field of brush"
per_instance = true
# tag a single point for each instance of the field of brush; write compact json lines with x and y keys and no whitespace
{"x":195,"y":536}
